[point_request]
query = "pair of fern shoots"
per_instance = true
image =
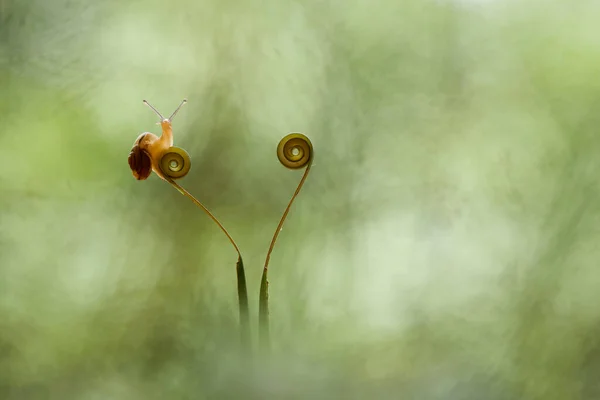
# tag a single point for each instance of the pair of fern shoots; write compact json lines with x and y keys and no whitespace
{"x":153,"y":153}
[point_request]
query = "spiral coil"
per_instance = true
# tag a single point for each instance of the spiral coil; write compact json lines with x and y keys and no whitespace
{"x":175,"y":163}
{"x":295,"y":151}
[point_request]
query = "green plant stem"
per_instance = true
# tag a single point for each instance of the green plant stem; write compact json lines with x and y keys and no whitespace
{"x":263,"y":301}
{"x":243,"y":305}
{"x":241,"y":276}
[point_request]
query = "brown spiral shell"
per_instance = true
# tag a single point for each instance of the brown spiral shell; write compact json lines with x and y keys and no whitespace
{"x":295,"y":151}
{"x":140,"y":163}
{"x":175,"y":163}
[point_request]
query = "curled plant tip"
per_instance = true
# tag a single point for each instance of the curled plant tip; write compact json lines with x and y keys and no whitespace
{"x":175,"y":163}
{"x":294,"y":151}
{"x":153,"y":153}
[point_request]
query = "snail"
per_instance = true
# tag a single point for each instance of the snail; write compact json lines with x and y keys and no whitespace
{"x":153,"y":153}
{"x":294,"y":151}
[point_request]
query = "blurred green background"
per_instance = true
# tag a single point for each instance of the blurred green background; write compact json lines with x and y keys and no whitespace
{"x":445,"y":245}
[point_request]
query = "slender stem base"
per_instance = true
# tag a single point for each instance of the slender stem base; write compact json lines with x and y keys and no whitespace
{"x":243,"y":305}
{"x":263,"y":309}
{"x":241,"y":276}
{"x":263,"y":313}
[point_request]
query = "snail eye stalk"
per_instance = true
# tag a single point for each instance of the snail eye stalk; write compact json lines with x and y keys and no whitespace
{"x":177,"y":109}
{"x":154,"y":109}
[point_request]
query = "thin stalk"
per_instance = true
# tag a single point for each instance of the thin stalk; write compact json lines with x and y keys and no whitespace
{"x":263,"y":309}
{"x":241,"y":276}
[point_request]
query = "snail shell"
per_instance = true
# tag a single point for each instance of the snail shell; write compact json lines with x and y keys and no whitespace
{"x":147,"y":155}
{"x":295,"y":151}
{"x":139,"y":160}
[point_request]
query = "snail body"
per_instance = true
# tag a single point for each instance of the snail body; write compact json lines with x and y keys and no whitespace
{"x":152,"y":153}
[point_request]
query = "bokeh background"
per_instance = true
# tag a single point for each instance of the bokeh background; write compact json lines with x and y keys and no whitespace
{"x":445,"y":245}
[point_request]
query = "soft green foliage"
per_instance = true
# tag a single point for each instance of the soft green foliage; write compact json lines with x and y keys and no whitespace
{"x":445,"y":246}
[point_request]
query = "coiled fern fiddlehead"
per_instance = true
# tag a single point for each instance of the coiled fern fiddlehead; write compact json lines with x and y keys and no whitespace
{"x":294,"y":151}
